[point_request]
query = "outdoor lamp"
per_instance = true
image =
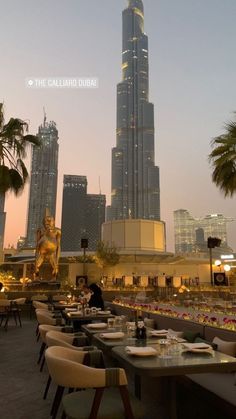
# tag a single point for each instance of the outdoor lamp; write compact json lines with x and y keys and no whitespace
{"x":217,"y":262}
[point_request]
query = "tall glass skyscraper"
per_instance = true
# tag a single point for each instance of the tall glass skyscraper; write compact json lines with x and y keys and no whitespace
{"x":191,"y":233}
{"x":135,"y":178}
{"x":82,"y":214}
{"x":43,"y":182}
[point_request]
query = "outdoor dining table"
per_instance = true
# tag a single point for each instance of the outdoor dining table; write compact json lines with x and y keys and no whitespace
{"x":80,"y":319}
{"x":166,"y":370}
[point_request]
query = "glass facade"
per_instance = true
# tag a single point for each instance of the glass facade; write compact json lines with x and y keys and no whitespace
{"x":43,"y":181}
{"x":135,"y":178}
{"x":82,"y":214}
{"x":191,"y":233}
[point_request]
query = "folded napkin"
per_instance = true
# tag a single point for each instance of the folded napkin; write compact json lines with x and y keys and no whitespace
{"x":75,"y":313}
{"x":115,"y":335}
{"x":68,"y":310}
{"x":197,"y":345}
{"x":140,"y":350}
{"x":104,"y":312}
{"x":158,"y":332}
{"x":97,"y":325}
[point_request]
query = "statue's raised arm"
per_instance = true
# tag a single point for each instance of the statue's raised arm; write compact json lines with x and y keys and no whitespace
{"x":48,"y":245}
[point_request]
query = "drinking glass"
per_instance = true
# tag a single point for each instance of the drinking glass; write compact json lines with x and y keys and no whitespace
{"x":110,"y":323}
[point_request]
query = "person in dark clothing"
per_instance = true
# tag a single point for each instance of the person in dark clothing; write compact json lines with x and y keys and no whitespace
{"x":96,"y":299}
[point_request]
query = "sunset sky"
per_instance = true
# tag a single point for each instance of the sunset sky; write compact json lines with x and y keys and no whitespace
{"x":192,"y":84}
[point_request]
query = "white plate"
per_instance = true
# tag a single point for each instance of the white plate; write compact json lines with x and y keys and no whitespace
{"x":198,"y":345}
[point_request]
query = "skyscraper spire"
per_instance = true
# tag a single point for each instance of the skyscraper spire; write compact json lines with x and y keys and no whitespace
{"x":135,"y":178}
{"x":136,"y":3}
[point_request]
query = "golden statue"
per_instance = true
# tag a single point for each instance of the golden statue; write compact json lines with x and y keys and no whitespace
{"x":48,"y":245}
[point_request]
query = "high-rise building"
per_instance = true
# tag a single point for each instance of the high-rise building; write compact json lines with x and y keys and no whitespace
{"x":82,"y":214}
{"x":135,"y":178}
{"x":95,"y":217}
{"x":191,"y":233}
{"x":2,"y":220}
{"x":43,"y":182}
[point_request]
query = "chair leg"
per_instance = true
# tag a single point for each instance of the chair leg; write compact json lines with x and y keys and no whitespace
{"x":126,"y":402}
{"x":96,"y":403}
{"x":14,"y":315}
{"x":47,"y":387}
{"x":6,"y":322}
{"x":57,"y":401}
{"x":19,"y":318}
{"x":42,"y":364}
{"x":41,"y":352}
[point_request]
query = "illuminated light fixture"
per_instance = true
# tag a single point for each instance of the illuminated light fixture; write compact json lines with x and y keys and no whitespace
{"x":227,"y":256}
{"x":217,"y":262}
{"x":227,"y":268}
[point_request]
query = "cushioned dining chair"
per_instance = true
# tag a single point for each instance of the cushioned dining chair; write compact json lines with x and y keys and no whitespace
{"x":67,"y":340}
{"x":77,"y":342}
{"x":38,"y":304}
{"x":67,"y":369}
{"x":43,"y":329}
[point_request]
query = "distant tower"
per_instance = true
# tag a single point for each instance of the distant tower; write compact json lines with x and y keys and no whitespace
{"x":135,"y":178}
{"x":43,"y":182}
{"x":82,"y":214}
{"x":2,"y":220}
{"x":191,"y":233}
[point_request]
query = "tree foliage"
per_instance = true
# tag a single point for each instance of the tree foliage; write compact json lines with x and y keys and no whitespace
{"x":13,"y":143}
{"x":223,"y":160}
{"x":106,"y":255}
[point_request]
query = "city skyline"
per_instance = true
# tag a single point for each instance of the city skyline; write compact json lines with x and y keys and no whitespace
{"x":192,"y":78}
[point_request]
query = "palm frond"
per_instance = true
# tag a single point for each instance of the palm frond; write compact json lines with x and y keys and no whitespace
{"x":223,"y":160}
{"x":13,"y":145}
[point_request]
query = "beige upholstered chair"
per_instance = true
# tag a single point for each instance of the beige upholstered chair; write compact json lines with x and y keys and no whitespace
{"x":66,"y":340}
{"x":38,"y":304}
{"x":45,"y":318}
{"x":43,"y":329}
{"x":67,"y":370}
{"x":60,"y":376}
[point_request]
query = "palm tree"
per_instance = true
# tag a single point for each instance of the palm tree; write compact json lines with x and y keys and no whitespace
{"x":223,"y":160}
{"x":13,"y":143}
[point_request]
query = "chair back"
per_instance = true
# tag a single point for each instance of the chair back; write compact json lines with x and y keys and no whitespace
{"x":54,"y":338}
{"x":19,"y":301}
{"x":4,"y":305}
{"x":66,"y":369}
{"x":45,"y":319}
{"x":38,"y":304}
{"x":44,"y":328}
